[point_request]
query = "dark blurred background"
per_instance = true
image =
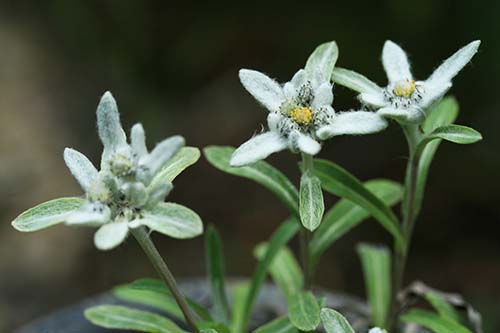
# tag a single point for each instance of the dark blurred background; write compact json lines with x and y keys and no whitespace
{"x":174,"y":68}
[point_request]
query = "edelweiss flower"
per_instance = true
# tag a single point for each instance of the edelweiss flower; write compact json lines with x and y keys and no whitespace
{"x":124,"y":193}
{"x":300,"y":114}
{"x":406,"y":99}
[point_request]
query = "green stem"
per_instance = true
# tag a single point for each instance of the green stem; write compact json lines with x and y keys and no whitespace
{"x":161,"y":267}
{"x":412,"y":134}
{"x":305,"y":235}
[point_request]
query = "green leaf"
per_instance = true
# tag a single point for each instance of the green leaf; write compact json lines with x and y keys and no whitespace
{"x":442,"y":114}
{"x":280,"y":238}
{"x":355,"y":81}
{"x":311,"y":204}
{"x":345,"y":215}
{"x":376,"y":262}
{"x":216,"y":273}
{"x":284,"y":269}
{"x":154,"y":293}
{"x":46,"y":214}
{"x":240,"y":297}
{"x":340,"y":182}
{"x":260,"y":172}
{"x":184,"y":158}
{"x":321,"y":62}
{"x":304,"y":311}
{"x":433,"y":321}
{"x":208,"y":330}
{"x":453,"y":133}
{"x":334,"y":322}
{"x":121,"y":317}
{"x":444,"y":308}
{"x":173,"y":220}
{"x":279,"y":325}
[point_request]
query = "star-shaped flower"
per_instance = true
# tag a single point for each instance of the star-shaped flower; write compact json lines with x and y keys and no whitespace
{"x":406,"y":99}
{"x":300,"y":112}
{"x":125,"y":193}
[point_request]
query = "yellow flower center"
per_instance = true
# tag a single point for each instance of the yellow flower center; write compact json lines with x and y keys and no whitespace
{"x":302,"y":115}
{"x":404,"y":88}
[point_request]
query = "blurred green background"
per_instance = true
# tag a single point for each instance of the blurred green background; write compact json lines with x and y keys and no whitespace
{"x":174,"y":68}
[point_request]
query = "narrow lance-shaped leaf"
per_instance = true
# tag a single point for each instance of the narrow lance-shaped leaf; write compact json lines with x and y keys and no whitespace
{"x":354,"y":81}
{"x":322,"y":61}
{"x":434,"y":322}
{"x":260,"y":172}
{"x":284,"y":269}
{"x":280,"y":238}
{"x":240,"y":295}
{"x":304,"y":311}
{"x":121,"y":317}
{"x":171,"y":219}
{"x":444,"y":113}
{"x":340,"y":182}
{"x":334,"y":322}
{"x":453,"y":133}
{"x":345,"y":215}
{"x":444,"y":308}
{"x":376,"y":262}
{"x":311,"y":204}
{"x":216,"y":273}
{"x":184,"y":158}
{"x":46,"y":214}
{"x":279,"y":325}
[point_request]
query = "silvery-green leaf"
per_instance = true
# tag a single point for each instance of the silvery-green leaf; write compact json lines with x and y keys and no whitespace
{"x":157,"y":193}
{"x":81,"y":168}
{"x":90,"y":214}
{"x":258,"y":148}
{"x":323,"y":95}
{"x":374,"y":100}
{"x":111,"y":235}
{"x":47,"y":214}
{"x":184,"y":158}
{"x":138,"y":140}
{"x":453,"y":133}
{"x":109,"y":126}
{"x":321,"y":62}
{"x":454,"y":64}
{"x":284,"y":269}
{"x":377,"y":330}
{"x":163,"y":151}
{"x":354,"y":123}
{"x":376,"y":262}
{"x":334,"y":322}
{"x":121,"y":317}
{"x":303,"y":311}
{"x":433,"y":92}
{"x":395,"y":61}
{"x":355,"y":81}
{"x":279,"y":325}
{"x":311,"y":204}
{"x":412,"y":115}
{"x":171,"y":219}
{"x":264,"y":89}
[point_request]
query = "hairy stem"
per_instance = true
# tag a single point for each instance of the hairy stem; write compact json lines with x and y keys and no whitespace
{"x":305,"y":235}
{"x":412,"y":134}
{"x":162,"y":269}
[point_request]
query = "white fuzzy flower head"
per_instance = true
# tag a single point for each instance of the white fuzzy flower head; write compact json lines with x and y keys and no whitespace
{"x":406,"y":99}
{"x":118,"y":196}
{"x":377,"y":330}
{"x":300,"y":112}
